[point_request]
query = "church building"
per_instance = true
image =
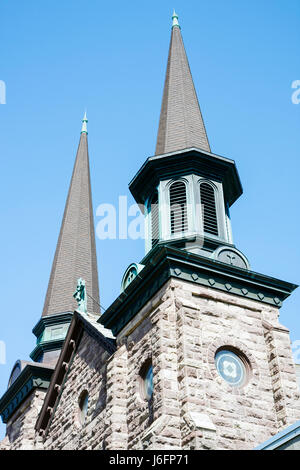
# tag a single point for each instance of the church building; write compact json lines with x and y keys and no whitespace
{"x":191,"y":354}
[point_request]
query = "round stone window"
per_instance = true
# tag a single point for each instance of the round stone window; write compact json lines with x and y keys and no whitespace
{"x":232,"y":367}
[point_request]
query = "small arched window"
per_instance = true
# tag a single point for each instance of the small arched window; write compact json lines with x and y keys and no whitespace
{"x":83,"y":407}
{"x":154,"y":220}
{"x":146,"y":387}
{"x":178,"y":207}
{"x":148,"y":383}
{"x":209,"y":213}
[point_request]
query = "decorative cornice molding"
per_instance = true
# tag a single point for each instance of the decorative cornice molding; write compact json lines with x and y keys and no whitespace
{"x":166,"y":262}
{"x":180,"y":163}
{"x":46,"y":346}
{"x":50,"y":320}
{"x":32,"y":376}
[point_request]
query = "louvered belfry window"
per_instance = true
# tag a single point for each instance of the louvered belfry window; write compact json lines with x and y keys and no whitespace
{"x":209,"y":213}
{"x":154,"y":220}
{"x":178,"y":207}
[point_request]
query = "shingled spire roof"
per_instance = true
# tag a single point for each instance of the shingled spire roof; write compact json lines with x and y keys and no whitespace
{"x":75,"y":255}
{"x":181,"y":125}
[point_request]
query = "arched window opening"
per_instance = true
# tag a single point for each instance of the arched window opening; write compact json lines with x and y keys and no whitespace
{"x":178,"y":207}
{"x":209,"y":213}
{"x":154,"y":220}
{"x":83,"y":407}
{"x":148,"y":383}
{"x":146,"y":387}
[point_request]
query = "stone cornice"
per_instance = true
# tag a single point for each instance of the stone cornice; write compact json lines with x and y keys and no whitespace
{"x":163,"y":263}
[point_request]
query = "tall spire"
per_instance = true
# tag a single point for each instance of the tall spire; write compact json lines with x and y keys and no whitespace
{"x":75,"y":255}
{"x":181,"y":125}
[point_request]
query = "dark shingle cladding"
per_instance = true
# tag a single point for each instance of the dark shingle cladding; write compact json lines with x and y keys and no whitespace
{"x":181,"y":125}
{"x":75,"y":254}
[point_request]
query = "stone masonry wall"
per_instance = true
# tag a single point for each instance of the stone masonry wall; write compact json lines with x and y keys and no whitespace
{"x":117,"y":396}
{"x":180,"y":330}
{"x":20,"y":432}
{"x":282,"y":372}
{"x":243,"y":417}
{"x":154,"y":341}
{"x":87,"y":372}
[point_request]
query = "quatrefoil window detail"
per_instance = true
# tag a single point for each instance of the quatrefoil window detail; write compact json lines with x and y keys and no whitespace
{"x":232,"y":367}
{"x":131,"y":275}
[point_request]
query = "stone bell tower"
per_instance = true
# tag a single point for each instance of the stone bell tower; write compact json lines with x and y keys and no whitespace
{"x":186,"y":189}
{"x":201,"y":354}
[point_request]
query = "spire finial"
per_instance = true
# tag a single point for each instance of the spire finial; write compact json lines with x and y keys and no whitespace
{"x":175,"y":19}
{"x":84,"y":124}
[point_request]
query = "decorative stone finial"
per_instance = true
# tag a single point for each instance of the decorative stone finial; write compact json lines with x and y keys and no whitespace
{"x":175,"y":19}
{"x":80,"y":296}
{"x":84,"y":124}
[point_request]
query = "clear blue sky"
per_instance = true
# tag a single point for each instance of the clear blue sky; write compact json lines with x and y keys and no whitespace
{"x":60,"y":57}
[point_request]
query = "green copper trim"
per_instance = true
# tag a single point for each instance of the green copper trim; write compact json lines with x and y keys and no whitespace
{"x":49,"y":320}
{"x":175,"y":20}
{"x":46,"y":346}
{"x":80,"y":296}
{"x":184,"y":162}
{"x":50,"y":332}
{"x":32,"y":376}
{"x":163,"y":263}
{"x":84,"y":124}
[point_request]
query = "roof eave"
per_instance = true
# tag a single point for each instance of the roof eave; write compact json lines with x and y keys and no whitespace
{"x":160,"y":166}
{"x":162,"y":264}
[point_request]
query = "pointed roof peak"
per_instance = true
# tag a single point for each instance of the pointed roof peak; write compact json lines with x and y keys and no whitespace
{"x":84,"y":124}
{"x":181,"y":125}
{"x":75,"y":255}
{"x":175,"y":19}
